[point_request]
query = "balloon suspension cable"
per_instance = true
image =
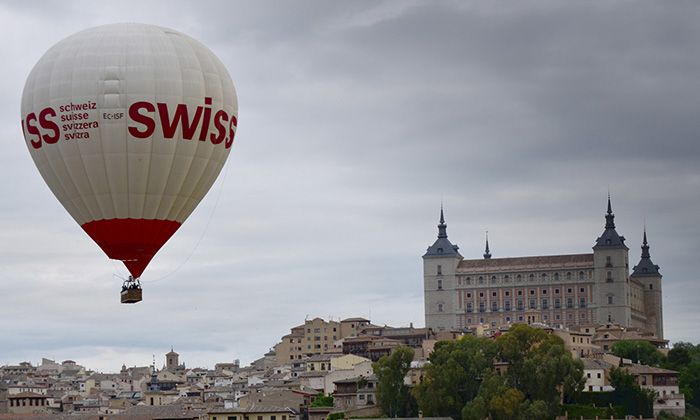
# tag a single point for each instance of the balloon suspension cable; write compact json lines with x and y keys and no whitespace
{"x":204,"y":231}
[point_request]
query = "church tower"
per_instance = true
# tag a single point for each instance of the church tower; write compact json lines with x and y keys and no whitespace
{"x":172,"y":360}
{"x":439,"y":281}
{"x":647,"y":274}
{"x":611,"y":275}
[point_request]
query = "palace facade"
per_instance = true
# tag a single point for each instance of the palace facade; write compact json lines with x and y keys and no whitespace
{"x":567,"y":290}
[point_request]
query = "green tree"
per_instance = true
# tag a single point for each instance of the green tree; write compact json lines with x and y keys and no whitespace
{"x":635,"y":400}
{"x":322,"y":401}
{"x":639,"y":351}
{"x":393,"y":396}
{"x":690,"y":383}
{"x":454,"y":375}
{"x":540,"y":367}
{"x":678,"y":358}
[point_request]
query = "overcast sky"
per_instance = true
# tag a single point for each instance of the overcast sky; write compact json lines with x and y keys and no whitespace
{"x":356,"y":120}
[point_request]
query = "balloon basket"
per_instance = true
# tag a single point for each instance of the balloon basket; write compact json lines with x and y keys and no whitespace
{"x":131,"y":295}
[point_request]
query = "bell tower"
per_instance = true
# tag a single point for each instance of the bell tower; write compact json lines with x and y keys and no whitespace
{"x":439,"y":267}
{"x":647,"y":274}
{"x":611,"y":275}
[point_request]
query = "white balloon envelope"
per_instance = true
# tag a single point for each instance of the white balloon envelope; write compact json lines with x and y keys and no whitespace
{"x":129,"y":125}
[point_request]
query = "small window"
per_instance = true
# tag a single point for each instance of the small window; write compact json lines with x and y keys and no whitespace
{"x":508,"y":292}
{"x":651,"y":286}
{"x":494,"y":294}
{"x":440,"y":307}
{"x":532,"y":292}
{"x":608,"y":261}
{"x":439,"y":284}
{"x":481,"y":280}
{"x":582,"y":290}
{"x":610,"y":299}
{"x":469,"y":295}
{"x":439,"y":268}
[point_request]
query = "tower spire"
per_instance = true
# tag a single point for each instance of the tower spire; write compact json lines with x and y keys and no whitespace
{"x":442,"y":227}
{"x":645,"y":245}
{"x":487,"y":253}
{"x":609,"y":217}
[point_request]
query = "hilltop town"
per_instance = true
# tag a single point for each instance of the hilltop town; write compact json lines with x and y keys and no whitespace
{"x":318,"y":357}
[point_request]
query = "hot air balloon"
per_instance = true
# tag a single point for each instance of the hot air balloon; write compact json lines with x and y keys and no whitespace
{"x":129,"y":125}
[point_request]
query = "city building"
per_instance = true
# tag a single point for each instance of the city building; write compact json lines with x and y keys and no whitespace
{"x":565,"y":290}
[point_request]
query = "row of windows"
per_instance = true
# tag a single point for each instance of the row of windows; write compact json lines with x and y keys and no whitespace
{"x":520,"y":292}
{"x":519,"y":278}
{"x":520,"y":318}
{"x":520,"y":305}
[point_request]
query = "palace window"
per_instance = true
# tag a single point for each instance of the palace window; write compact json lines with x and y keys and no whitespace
{"x":482,"y":307}
{"x":569,"y":303}
{"x":545,"y":304}
{"x":569,"y":290}
{"x":494,"y":294}
{"x":608,"y":277}
{"x":439,"y":269}
{"x":610,"y":299}
{"x":469,"y":307}
{"x":532,"y":277}
{"x":520,"y":304}
{"x":544,"y":291}
{"x":439,"y":284}
{"x":556,"y":291}
{"x":508,"y":291}
{"x":608,"y":261}
{"x":532,"y":291}
{"x":493,"y":279}
{"x":469,"y":295}
{"x":519,"y":278}
{"x":582,"y":290}
{"x":481,"y":294}
{"x":533,"y":304}
{"x":507,"y":305}
{"x":440,"y":307}
{"x":469,"y":280}
{"x":556,"y":276}
{"x":581,"y":275}
{"x":506,"y":279}
{"x":582,"y":303}
{"x":494,"y":306}
{"x":568,"y":275}
{"x":557,"y":303}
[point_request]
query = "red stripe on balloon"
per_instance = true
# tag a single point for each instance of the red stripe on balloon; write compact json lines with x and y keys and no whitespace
{"x":133,"y":241}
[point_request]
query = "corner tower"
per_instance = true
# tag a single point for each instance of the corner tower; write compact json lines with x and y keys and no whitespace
{"x":646,"y":273}
{"x":439,"y":267}
{"x":611,"y":275}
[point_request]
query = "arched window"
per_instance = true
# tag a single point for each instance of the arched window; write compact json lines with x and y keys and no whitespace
{"x":611,"y":299}
{"x":581,"y":275}
{"x":506,"y":279}
{"x":556,"y":276}
{"x":481,"y":280}
{"x":532,"y":277}
{"x":568,"y":275}
{"x":440,"y":307}
{"x":493,"y":279}
{"x":519,"y":278}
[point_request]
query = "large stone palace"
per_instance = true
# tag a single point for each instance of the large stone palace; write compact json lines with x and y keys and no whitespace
{"x":567,"y":290}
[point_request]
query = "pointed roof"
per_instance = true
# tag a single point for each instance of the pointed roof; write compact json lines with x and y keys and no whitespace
{"x":442,"y":246}
{"x":610,"y":238}
{"x":487,"y":253}
{"x":645,"y":267}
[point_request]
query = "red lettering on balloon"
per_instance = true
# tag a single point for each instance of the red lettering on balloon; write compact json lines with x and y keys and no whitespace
{"x":231,"y":131}
{"x":180,"y":117}
{"x":47,"y":124}
{"x":145,"y":120}
{"x":220,"y":127}
{"x":32,"y":129}
{"x":205,"y":122}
